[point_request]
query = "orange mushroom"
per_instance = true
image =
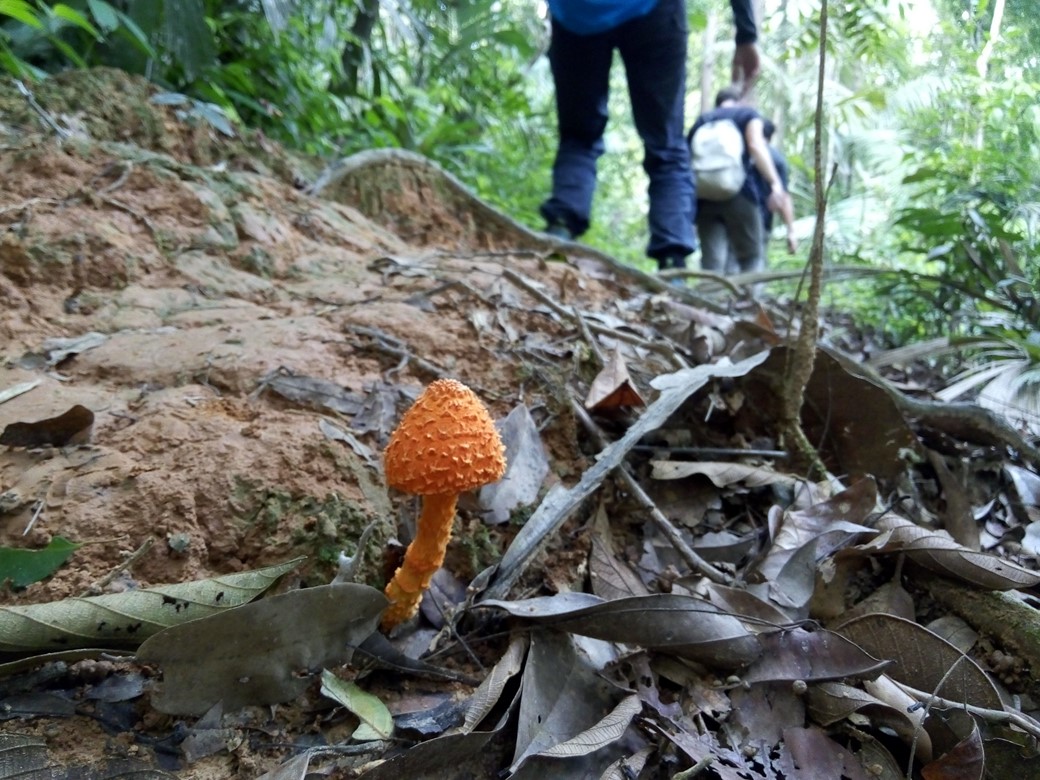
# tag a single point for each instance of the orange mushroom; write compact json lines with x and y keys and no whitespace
{"x":444,"y":445}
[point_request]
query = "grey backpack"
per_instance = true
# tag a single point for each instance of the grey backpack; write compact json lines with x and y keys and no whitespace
{"x":717,"y":157}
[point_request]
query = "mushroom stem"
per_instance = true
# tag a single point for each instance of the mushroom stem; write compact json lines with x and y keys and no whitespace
{"x":421,"y":560}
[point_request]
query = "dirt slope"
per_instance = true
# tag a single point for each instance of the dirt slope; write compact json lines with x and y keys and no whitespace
{"x":202,"y":269}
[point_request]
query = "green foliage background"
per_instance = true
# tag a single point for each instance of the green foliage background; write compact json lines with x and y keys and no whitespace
{"x":932,"y":123}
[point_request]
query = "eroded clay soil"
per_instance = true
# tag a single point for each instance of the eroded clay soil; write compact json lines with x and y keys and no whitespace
{"x":206,"y":275}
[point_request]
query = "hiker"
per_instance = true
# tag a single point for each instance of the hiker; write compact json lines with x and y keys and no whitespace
{"x":728,"y":200}
{"x":786,"y":210}
{"x":787,"y":207}
{"x":651,"y":38}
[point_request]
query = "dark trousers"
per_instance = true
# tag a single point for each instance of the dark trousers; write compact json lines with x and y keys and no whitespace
{"x":653,"y":50}
{"x":730,"y":233}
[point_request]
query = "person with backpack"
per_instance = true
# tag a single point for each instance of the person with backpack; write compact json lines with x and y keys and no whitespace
{"x":787,"y":210}
{"x":725,"y":144}
{"x":651,"y":37}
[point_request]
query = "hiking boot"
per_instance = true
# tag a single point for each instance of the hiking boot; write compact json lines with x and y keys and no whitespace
{"x":559,"y":230}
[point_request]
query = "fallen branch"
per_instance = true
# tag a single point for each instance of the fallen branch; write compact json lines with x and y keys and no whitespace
{"x":1017,"y":719}
{"x":560,"y":502}
{"x":664,"y":525}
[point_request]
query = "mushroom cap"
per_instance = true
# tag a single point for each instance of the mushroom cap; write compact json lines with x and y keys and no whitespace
{"x":445,"y":443}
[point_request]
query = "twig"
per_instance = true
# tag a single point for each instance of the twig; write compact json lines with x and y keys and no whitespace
{"x":712,"y":452}
{"x":711,"y":276}
{"x":658,"y":346}
{"x":124,"y":168}
{"x":17,"y":390}
{"x":558,"y":504}
{"x":388,"y":345}
{"x":129,"y":210}
{"x":803,"y":353}
{"x":130,"y":560}
{"x":28,"y":204}
{"x":36,"y":513}
{"x":1017,"y":719}
{"x":696,"y":769}
{"x":589,"y":338}
{"x":687,"y":553}
{"x":47,"y":118}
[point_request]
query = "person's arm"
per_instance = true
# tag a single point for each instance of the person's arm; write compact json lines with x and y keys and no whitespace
{"x":746,"y":63}
{"x":758,"y":149}
{"x":787,"y":208}
{"x":787,"y":213}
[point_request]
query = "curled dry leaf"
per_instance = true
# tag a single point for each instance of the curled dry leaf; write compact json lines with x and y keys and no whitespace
{"x":966,"y":760}
{"x":722,"y":474}
{"x":935,"y":550}
{"x":527,"y":465}
{"x":832,"y":702}
{"x":490,"y":690}
{"x":612,"y":388}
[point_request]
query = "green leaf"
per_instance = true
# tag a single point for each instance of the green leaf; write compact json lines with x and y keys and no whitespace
{"x":215,"y":116}
{"x":137,"y":36}
{"x":22,"y":11}
{"x":105,"y":15}
{"x":68,"y":51}
{"x":24,"y":567}
{"x":71,"y":15}
{"x":376,"y":720}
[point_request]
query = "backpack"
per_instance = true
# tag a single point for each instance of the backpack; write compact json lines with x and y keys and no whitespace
{"x":717,"y":156}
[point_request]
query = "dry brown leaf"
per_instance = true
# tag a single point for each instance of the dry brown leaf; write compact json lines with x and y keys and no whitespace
{"x":966,"y":760}
{"x":682,"y":625}
{"x":922,"y":659}
{"x":722,"y":474}
{"x":854,"y":422}
{"x":810,"y":753}
{"x":611,"y":577}
{"x":812,"y":656}
{"x":612,"y":388}
{"x":832,"y":702}
{"x":260,"y":653}
{"x":935,"y":550}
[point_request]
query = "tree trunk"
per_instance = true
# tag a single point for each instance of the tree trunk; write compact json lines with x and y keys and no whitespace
{"x":711,"y":32}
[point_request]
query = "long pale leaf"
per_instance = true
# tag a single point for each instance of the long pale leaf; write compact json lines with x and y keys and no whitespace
{"x":121,"y":619}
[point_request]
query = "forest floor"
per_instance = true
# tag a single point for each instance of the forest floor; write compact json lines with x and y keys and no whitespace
{"x":242,"y":342}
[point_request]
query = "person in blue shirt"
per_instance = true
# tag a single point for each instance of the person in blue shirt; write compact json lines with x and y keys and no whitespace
{"x":735,"y":225}
{"x":651,"y":37}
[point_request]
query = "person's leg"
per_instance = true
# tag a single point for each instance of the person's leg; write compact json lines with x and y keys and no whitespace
{"x":711,"y":230}
{"x":744,"y":227}
{"x":581,"y":70}
{"x":653,"y":48}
